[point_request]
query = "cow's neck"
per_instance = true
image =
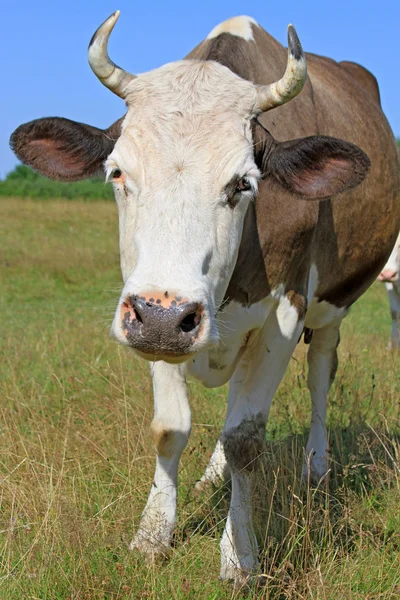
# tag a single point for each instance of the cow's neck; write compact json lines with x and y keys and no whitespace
{"x":257,"y":59}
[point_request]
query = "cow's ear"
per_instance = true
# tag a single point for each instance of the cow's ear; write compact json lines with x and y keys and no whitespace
{"x":317,"y":167}
{"x":62,"y":149}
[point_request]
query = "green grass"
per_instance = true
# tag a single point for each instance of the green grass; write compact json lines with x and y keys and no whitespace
{"x":23,"y":182}
{"x":76,"y":458}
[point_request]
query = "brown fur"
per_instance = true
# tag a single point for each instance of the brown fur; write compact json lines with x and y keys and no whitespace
{"x":244,"y":444}
{"x":163,"y":439}
{"x":349,"y":237}
{"x":364,"y":78}
{"x":299,"y":302}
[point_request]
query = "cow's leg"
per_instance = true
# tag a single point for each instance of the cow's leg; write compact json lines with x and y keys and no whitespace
{"x":322,"y":365}
{"x":394,"y":299}
{"x":217,"y":470}
{"x":170,"y":429}
{"x":252,"y":388}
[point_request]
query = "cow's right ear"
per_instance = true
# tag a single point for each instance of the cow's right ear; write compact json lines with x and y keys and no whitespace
{"x":62,"y":149}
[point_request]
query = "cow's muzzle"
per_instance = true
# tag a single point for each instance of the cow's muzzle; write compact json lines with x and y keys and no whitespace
{"x":160,"y":329}
{"x":388,"y":276}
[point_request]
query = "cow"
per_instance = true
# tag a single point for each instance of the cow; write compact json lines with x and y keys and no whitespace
{"x":249,"y":213}
{"x":390,"y":275}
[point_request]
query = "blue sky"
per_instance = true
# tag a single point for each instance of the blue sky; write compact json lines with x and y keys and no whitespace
{"x":43,"y":47}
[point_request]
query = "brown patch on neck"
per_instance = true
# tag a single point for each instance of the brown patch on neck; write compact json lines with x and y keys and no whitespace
{"x":249,"y":282}
{"x":275,"y":247}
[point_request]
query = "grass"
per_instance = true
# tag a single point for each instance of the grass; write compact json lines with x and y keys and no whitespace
{"x":76,"y":459}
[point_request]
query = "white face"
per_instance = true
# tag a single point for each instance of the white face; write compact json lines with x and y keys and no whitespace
{"x":183,"y":175}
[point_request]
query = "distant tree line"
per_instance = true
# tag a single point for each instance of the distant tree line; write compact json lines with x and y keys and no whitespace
{"x":23,"y":182}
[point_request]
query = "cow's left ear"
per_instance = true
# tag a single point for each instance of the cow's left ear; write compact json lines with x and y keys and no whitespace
{"x":317,"y":167}
{"x":62,"y":149}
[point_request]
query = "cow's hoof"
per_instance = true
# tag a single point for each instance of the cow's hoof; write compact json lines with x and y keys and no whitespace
{"x":316,"y":466}
{"x":393,"y":347}
{"x":316,"y":473}
{"x":231,"y":570}
{"x":207,"y":486}
{"x":212,"y":481}
{"x":151,"y":547}
{"x":242,"y":581}
{"x":203,"y":487}
{"x":238,"y":578}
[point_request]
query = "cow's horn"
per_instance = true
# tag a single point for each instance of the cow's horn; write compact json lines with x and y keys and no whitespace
{"x":292,"y":82}
{"x":110,"y":75}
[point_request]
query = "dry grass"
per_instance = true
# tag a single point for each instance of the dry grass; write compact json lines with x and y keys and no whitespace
{"x":76,"y":460}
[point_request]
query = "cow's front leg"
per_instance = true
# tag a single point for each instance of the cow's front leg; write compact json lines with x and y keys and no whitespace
{"x":252,"y":388}
{"x":170,"y":429}
{"x":217,"y":470}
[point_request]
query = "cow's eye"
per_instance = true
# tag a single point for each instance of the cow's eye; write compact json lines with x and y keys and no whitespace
{"x":116,"y":174}
{"x":113,"y":173}
{"x":243,"y":185}
{"x":236,"y":187}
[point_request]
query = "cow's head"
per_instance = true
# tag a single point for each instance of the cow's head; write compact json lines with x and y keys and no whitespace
{"x":184,"y":170}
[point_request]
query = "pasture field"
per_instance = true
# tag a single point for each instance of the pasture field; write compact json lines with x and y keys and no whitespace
{"x":76,"y":458}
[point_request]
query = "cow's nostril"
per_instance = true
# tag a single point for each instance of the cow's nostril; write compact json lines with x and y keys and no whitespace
{"x":137,"y":315}
{"x":189,"y":323}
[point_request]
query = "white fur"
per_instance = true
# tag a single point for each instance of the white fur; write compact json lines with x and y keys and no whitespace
{"x":215,"y":366}
{"x":235,"y":322}
{"x":251,"y":391}
{"x":239,"y":548}
{"x":171,"y":414}
{"x":175,"y":167}
{"x":320,"y":314}
{"x":321,"y":358}
{"x":393,"y":263}
{"x":288,"y":317}
{"x":239,"y":26}
{"x":217,"y":469}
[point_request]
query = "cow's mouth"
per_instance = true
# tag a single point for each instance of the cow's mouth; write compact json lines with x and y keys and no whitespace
{"x":173,"y":359}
